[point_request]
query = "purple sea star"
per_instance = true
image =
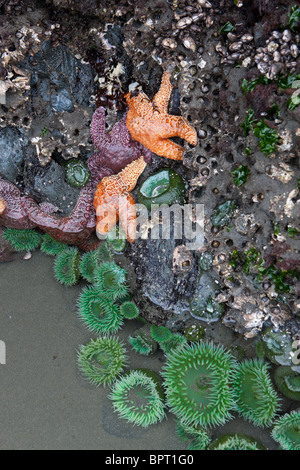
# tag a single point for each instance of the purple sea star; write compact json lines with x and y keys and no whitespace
{"x":14,"y":215}
{"x":73,"y":229}
{"x":115,"y":150}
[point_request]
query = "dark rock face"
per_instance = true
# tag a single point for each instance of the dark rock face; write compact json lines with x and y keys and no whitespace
{"x":12,"y":143}
{"x":48,"y":184}
{"x":58,"y":78}
{"x":153,"y":262}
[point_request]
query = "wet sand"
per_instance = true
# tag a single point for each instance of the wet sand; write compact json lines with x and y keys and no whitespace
{"x":46,"y":404}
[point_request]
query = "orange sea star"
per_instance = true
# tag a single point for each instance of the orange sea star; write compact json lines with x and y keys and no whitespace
{"x":113,"y":201}
{"x":150,"y":124}
{"x":2,"y":206}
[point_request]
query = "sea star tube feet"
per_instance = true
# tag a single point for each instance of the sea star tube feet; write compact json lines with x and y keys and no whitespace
{"x":150,"y":124}
{"x":113,"y":201}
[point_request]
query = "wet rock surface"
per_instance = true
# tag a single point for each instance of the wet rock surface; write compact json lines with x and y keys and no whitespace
{"x":12,"y":145}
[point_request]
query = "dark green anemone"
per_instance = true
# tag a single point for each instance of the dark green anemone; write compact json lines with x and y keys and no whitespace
{"x":198,"y":384}
{"x":51,"y":247}
{"x":286,"y":431}
{"x":163,"y":187}
{"x":92,"y":259}
{"x":142,"y":342}
{"x":111,"y":281}
{"x":129,"y":310}
{"x":99,"y":314}
{"x":288,"y":382}
{"x":102,"y":360}
{"x":160,"y":333}
{"x":87,"y":265}
{"x":22,"y":240}
{"x":116,"y":239}
{"x":235,"y":442}
{"x":103,"y":253}
{"x":66,"y":266}
{"x":176,"y":341}
{"x":137,"y":398}
{"x":256,"y":400}
{"x":77,"y":173}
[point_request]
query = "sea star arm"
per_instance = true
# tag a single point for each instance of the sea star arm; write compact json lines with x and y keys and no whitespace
{"x":120,"y":133}
{"x":2,"y":206}
{"x":105,"y":204}
{"x":177,"y":126}
{"x":131,"y":173}
{"x":80,"y":215}
{"x":100,"y":137}
{"x":168,"y":148}
{"x":127,"y":215}
{"x":162,"y":97}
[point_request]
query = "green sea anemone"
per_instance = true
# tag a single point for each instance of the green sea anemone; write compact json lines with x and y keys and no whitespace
{"x":99,"y":314}
{"x":288,"y":382}
{"x":160,"y":333}
{"x":137,"y":397}
{"x":22,"y":240}
{"x":197,"y":437}
{"x":116,"y":238}
{"x":92,"y":259}
{"x":103,"y":253}
{"x":163,"y":187}
{"x":129,"y":310}
{"x":197,"y":381}
{"x":256,"y":400}
{"x":102,"y":360}
{"x":66,"y":266}
{"x":235,"y":442}
{"x":77,"y":173}
{"x":286,"y":431}
{"x":51,"y":247}
{"x":87,"y":265}
{"x":175,"y":342}
{"x":110,"y":280}
{"x":142,"y":342}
